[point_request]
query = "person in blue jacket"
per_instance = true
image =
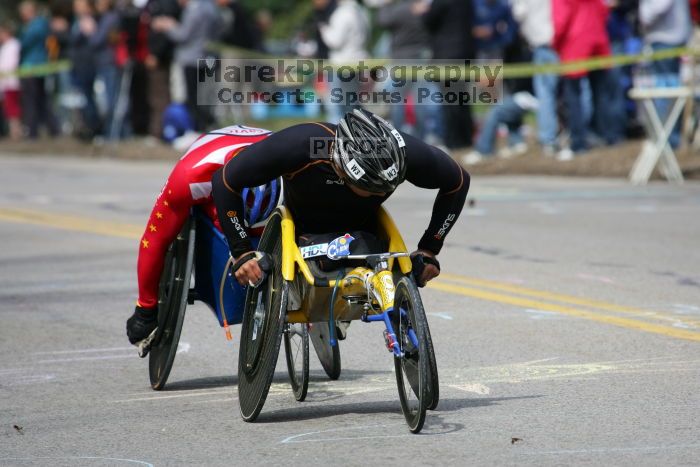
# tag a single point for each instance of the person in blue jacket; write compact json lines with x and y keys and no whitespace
{"x":36,"y":105}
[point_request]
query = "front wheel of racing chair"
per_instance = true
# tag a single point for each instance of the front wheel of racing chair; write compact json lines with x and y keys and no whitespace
{"x":413,"y":366}
{"x":173,"y":290}
{"x":262,"y":327}
{"x":296,"y":350}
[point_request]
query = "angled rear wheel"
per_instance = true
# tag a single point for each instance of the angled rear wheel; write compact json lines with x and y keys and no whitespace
{"x":172,"y":301}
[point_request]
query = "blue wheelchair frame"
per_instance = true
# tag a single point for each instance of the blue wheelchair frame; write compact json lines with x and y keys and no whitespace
{"x":210,"y":267}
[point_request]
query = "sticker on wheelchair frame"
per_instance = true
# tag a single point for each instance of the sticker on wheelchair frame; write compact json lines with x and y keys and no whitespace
{"x":340,"y":247}
{"x":355,"y":170}
{"x":312,"y":251}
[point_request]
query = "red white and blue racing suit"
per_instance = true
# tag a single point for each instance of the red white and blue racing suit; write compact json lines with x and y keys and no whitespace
{"x":189,"y":184}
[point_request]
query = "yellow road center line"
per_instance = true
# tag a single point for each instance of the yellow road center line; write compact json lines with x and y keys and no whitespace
{"x":568,"y":299}
{"x":74,"y":223}
{"x":132,"y":231}
{"x":585,"y":314}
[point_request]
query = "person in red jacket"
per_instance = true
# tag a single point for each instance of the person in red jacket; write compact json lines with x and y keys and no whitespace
{"x":580,"y":33}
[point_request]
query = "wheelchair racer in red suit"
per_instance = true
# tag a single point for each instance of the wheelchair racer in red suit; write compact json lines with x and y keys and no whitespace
{"x":189,"y":184}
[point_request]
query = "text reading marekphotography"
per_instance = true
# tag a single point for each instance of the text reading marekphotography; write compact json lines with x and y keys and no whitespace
{"x":365,"y":82}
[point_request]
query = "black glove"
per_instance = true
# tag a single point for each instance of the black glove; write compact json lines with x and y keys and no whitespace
{"x":418,"y":262}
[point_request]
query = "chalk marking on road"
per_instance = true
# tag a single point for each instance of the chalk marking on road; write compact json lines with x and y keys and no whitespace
{"x":541,"y":314}
{"x":58,"y":352}
{"x":567,"y":310}
{"x":173,"y":396}
{"x":84,"y":359}
{"x":131,"y":461}
{"x":293,"y":438}
{"x":476,"y":388}
{"x":208,"y":401}
{"x":558,"y":297}
{"x":442,"y":315}
{"x":70,"y":222}
{"x":595,"y":278}
{"x":183,"y":347}
{"x":623,"y":449}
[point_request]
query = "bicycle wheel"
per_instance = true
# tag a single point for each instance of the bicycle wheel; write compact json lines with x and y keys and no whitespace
{"x":172,"y":301}
{"x":413,"y":366}
{"x":262,"y":327}
{"x":296,"y":349}
{"x":328,"y":355}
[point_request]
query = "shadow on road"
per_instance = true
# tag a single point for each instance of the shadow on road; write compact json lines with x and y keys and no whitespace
{"x":202,"y":383}
{"x":313,"y":411}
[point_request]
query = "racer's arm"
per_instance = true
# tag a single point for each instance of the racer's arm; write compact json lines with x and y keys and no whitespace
{"x":281,"y":153}
{"x":429,"y":167}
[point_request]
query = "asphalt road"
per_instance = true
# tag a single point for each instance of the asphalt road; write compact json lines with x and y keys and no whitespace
{"x":566,"y":326}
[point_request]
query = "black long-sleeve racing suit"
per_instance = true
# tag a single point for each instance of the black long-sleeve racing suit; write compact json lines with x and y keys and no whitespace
{"x":318,"y":199}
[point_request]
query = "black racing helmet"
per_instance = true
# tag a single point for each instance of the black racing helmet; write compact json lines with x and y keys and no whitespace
{"x":369,"y":152}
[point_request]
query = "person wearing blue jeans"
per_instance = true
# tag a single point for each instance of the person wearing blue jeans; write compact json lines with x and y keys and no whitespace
{"x":510,"y":114}
{"x":545,"y":86}
{"x":604,"y":121}
{"x":666,"y":25}
{"x":667,"y":74}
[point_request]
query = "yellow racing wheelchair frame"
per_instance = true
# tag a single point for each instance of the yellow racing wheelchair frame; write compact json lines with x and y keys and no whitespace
{"x":295,"y":297}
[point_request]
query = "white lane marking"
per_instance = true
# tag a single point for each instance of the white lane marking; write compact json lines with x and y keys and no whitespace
{"x":645,"y":208}
{"x":686,"y":309}
{"x":174,"y":396}
{"x":131,"y":461}
{"x":57,"y":352}
{"x":473,"y":387}
{"x":442,"y":315}
{"x":83,"y":359}
{"x":477,"y":212}
{"x":546,"y":208}
{"x":183,"y":347}
{"x":27,"y":379}
{"x":630,"y":449}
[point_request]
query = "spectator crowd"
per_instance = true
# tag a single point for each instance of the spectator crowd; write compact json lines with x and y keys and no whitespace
{"x":134,"y":64}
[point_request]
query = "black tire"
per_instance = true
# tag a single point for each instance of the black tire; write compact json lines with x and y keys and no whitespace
{"x":172,"y":301}
{"x":296,"y":350}
{"x":262,"y":327}
{"x":328,"y":355}
{"x":413,"y":367}
{"x":434,"y":386}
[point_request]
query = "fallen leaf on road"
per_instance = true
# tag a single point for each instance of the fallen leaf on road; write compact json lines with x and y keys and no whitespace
{"x":19,"y":429}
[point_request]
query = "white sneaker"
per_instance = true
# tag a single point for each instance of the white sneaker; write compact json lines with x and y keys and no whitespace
{"x":565,"y":154}
{"x":513,"y":151}
{"x":472,"y":158}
